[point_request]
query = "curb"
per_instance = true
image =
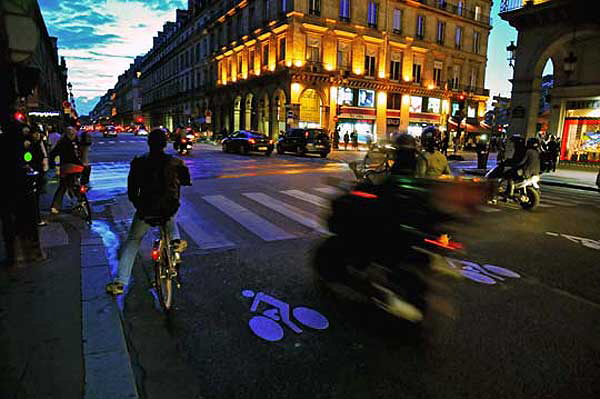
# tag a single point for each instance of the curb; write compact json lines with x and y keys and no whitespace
{"x":107,"y":365}
{"x":542,"y":182}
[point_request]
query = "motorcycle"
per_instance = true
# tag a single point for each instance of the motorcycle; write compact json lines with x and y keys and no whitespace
{"x":185,"y":145}
{"x":388,"y":257}
{"x":512,"y":187}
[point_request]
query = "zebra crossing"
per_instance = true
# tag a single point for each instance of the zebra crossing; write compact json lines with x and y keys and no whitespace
{"x":278,"y":215}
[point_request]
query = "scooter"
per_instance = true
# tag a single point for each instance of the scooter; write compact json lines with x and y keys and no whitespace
{"x":524,"y":192}
{"x":185,"y":145}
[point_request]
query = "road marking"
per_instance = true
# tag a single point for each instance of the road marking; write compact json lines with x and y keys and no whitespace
{"x":329,"y":190}
{"x":313,"y":199}
{"x":558,"y":203}
{"x":101,"y":142}
{"x":488,"y":209}
{"x":199,"y":230}
{"x":296,"y":214}
{"x":546,"y":206}
{"x":250,"y":221}
{"x":552,"y":234}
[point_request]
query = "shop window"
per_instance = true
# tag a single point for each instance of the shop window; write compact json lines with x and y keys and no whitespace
{"x":416,"y":104}
{"x":314,"y":7}
{"x":366,"y":98}
{"x":370,"y":65}
{"x":434,"y":105}
{"x":471,"y":112}
{"x":345,"y":96}
{"x":394,"y":101}
{"x":345,"y":10}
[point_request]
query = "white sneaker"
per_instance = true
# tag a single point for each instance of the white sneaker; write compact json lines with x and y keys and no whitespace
{"x":397,"y":306}
{"x":54,"y":211}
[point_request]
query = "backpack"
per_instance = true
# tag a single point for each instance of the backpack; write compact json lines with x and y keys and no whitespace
{"x":158,"y":184}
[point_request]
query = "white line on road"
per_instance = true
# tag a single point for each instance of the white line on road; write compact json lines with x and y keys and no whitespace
{"x":296,"y":214}
{"x":252,"y":222}
{"x":199,"y":230}
{"x":488,"y":209}
{"x":329,"y":190}
{"x":558,"y":203}
{"x":313,"y":199}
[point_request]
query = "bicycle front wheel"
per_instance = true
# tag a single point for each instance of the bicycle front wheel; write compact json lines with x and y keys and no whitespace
{"x":164,"y":284}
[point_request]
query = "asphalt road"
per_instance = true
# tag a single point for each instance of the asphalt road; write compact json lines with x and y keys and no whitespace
{"x":253,"y":222}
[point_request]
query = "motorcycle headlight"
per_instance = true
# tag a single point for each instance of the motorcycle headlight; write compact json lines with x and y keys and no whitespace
{"x":190,"y":136}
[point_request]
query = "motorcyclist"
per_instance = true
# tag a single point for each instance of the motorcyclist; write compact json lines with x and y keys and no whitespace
{"x":405,"y":162}
{"x":530,"y":164}
{"x":153,"y":187}
{"x":177,"y":135}
{"x":431,"y":162}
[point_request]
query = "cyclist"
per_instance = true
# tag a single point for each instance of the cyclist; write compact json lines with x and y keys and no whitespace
{"x":431,"y":162}
{"x":154,"y":184}
{"x":68,"y":150}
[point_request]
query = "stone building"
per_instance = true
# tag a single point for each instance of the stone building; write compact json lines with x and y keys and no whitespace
{"x":566,"y":32}
{"x":128,"y":96}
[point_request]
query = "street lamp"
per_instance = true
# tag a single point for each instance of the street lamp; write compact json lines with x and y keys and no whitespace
{"x":512,"y":53}
{"x":569,"y":63}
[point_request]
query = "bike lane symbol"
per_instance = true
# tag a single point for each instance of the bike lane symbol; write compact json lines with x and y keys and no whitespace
{"x":267,"y":325}
{"x":483,"y":274}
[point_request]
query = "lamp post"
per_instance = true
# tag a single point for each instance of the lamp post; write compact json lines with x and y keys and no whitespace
{"x":512,"y":54}
{"x":570,"y":62}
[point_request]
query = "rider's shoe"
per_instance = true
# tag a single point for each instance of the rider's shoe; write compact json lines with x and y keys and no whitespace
{"x":179,"y":245}
{"x":115,"y":288}
{"x":54,"y":211}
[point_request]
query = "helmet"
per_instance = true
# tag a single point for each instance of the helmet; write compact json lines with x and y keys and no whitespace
{"x":431,"y":139}
{"x":157,"y":139}
{"x":533,"y":143}
{"x":406,"y":141}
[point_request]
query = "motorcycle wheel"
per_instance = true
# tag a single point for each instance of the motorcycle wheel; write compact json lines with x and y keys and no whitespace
{"x":533,"y":199}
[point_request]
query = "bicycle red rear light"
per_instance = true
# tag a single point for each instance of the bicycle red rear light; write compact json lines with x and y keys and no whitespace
{"x":363,"y":194}
{"x":155,"y":254}
{"x":83,"y":189}
{"x":451,"y":245}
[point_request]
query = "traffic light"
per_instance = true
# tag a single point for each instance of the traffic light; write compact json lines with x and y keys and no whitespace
{"x":19,"y":116}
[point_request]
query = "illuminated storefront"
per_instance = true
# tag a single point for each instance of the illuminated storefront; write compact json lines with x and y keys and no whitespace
{"x":357,"y":113}
{"x":581,"y":131}
{"x":424,"y":111}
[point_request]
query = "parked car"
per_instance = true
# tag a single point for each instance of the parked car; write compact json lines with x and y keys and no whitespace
{"x":305,"y":141}
{"x":246,"y":141}
{"x":110,"y":130}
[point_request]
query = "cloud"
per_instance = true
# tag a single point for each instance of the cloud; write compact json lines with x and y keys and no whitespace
{"x":101,"y":38}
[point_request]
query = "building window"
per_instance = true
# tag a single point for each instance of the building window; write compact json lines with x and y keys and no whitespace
{"x":394,"y":101}
{"x":314,"y":7}
{"x":282,"y":49}
{"x":441,"y":4}
{"x":198,"y":54}
{"x":473,"y":77}
{"x":397,"y":21}
{"x":345,"y":10}
{"x":251,"y":21}
{"x":437,"y":73}
{"x":460,"y":7}
{"x":420,"y":27}
{"x":454,"y":81}
{"x":239,"y":63}
{"x":476,"y":42}
{"x":313,"y":50}
{"x":265,"y":56}
{"x":441,"y":32}
{"x":251,"y":61}
{"x":284,"y":5}
{"x":417,"y":67}
{"x":458,"y":37}
{"x":370,"y":65}
{"x":266,"y":8}
{"x":477,"y":13}
{"x":372,"y":15}
{"x":395,"y":70}
{"x":343,"y":55}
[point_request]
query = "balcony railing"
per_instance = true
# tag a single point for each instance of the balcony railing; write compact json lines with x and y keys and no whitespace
{"x":462,"y":11}
{"x":510,"y":5}
{"x":480,"y":91}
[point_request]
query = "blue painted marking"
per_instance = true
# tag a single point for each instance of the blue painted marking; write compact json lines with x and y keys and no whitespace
{"x":486,"y":274}
{"x":268,"y":325}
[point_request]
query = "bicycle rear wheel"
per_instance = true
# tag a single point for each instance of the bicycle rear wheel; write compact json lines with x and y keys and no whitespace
{"x":162,"y":277}
{"x":86,"y":209}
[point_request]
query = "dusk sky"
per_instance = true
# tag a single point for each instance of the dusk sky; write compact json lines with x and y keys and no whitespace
{"x":100,"y":38}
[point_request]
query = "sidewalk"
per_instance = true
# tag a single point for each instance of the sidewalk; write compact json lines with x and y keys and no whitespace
{"x":60,"y":334}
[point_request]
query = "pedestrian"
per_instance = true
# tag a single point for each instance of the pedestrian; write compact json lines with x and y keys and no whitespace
{"x":39,"y":163}
{"x":553,"y":153}
{"x":354,"y":138}
{"x":70,"y":165}
{"x":346,"y":141}
{"x":483,"y":151}
{"x":445,"y":143}
{"x":53,"y":138}
{"x":336,"y":139}
{"x":369,"y":142}
{"x":85,"y":142}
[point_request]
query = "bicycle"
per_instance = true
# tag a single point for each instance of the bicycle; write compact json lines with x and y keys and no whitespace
{"x":165,"y":263}
{"x":78,"y":191}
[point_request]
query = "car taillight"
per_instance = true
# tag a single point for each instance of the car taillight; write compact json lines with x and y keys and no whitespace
{"x":183,"y":140}
{"x":445,"y":242}
{"x":363,"y":194}
{"x":270,"y":141}
{"x":252,"y":141}
{"x":155,"y":254}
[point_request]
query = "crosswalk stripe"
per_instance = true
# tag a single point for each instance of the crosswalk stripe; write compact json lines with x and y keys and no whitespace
{"x":199,"y":230}
{"x":313,"y":199}
{"x":558,"y":203}
{"x":328,"y":190}
{"x":546,"y":206}
{"x":296,"y":214}
{"x":488,"y":209}
{"x":251,"y":222}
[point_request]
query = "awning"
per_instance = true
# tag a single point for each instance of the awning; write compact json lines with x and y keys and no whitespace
{"x":466,"y":126}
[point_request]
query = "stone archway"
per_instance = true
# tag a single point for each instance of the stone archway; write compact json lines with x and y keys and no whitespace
{"x":311,"y":104}
{"x":248,"y":110}
{"x":279,"y":114}
{"x":263,"y":125}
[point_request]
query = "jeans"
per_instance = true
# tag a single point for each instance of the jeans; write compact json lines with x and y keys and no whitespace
{"x":64,"y":183}
{"x":137,"y":231}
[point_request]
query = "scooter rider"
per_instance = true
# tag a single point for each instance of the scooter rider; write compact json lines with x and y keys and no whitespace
{"x":526,"y":167}
{"x":431,"y":162}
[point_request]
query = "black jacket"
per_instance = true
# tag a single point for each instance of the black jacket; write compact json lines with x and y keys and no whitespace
{"x":67,"y":150}
{"x":154,"y":184}
{"x":531,"y":163}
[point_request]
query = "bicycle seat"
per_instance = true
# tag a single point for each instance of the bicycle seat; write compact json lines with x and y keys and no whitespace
{"x":156,"y":221}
